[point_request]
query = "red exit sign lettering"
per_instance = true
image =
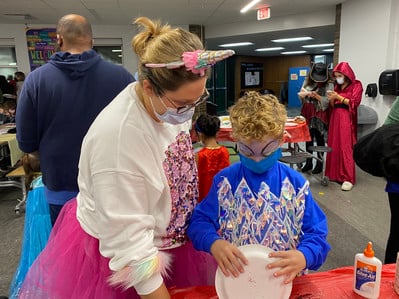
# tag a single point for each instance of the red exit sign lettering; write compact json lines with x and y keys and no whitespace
{"x":263,"y":13}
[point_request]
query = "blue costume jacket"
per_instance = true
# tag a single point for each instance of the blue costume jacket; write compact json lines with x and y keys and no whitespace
{"x":274,"y":209}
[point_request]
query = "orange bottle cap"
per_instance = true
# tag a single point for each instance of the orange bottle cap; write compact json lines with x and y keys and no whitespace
{"x":368,"y":251}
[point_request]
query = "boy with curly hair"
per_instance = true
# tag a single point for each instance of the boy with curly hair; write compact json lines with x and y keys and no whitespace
{"x":260,"y":200}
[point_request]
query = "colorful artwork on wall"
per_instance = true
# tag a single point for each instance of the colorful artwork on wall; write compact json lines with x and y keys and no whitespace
{"x":41,"y":45}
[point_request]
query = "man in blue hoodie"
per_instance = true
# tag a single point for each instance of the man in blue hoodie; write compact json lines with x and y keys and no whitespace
{"x":58,"y":103}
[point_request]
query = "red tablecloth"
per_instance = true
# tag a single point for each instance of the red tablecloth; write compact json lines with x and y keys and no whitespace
{"x":224,"y":134}
{"x":333,"y":284}
{"x":298,"y":133}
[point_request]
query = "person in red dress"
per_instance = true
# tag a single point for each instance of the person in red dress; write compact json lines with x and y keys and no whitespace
{"x":213,"y":157}
{"x":342,"y":132}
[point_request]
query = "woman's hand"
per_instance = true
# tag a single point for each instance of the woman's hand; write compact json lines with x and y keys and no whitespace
{"x":160,"y":293}
{"x":290,"y":263}
{"x":229,"y":258}
{"x":315,"y":95}
{"x":332,"y":96}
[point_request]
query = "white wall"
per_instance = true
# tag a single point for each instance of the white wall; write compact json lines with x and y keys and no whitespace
{"x":369,"y":42}
{"x":15,"y":35}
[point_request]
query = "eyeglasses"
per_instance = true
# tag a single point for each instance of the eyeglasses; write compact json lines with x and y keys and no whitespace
{"x":267,"y":150}
{"x":182,"y":109}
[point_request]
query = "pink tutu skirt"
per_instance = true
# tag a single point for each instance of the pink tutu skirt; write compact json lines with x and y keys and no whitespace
{"x":71,"y":266}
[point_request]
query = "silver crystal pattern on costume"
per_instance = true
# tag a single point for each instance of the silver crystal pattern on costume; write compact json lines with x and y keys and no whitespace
{"x":260,"y":217}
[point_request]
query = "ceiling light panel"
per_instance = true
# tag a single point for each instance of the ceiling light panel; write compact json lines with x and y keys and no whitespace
{"x":292,"y":39}
{"x":293,"y":52}
{"x":241,"y":44}
{"x":269,"y":49}
{"x":318,"y":45}
{"x":249,"y":6}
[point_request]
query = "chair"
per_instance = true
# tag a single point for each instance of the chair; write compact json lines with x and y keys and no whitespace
{"x":295,"y":158}
{"x":321,"y":149}
{"x":16,"y":178}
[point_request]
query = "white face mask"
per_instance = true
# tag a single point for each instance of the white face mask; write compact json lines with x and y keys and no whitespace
{"x":171,"y":116}
{"x":340,"y":80}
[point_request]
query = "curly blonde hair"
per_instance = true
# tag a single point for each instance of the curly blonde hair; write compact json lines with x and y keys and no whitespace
{"x":257,"y":117}
{"x":157,"y":43}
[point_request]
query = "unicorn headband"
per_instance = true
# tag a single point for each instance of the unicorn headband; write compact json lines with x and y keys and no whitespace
{"x":197,"y":61}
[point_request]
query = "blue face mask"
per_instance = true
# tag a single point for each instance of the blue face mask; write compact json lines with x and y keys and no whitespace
{"x":263,"y":165}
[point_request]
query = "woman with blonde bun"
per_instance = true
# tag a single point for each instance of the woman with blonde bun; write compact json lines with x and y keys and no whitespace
{"x":125,"y":234}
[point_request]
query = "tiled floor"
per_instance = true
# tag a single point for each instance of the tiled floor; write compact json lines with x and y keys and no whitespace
{"x":354,"y":218}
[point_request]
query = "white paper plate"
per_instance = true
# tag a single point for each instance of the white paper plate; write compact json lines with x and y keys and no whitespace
{"x":225,"y":122}
{"x":257,"y":282}
{"x":291,"y":124}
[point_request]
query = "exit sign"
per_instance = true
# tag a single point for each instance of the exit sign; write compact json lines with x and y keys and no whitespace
{"x":263,"y":13}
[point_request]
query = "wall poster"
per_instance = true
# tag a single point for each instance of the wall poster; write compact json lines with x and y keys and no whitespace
{"x":41,"y":46}
{"x":251,"y":75}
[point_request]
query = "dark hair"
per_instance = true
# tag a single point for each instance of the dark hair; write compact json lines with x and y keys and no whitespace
{"x":266,"y":91}
{"x":242,"y":93}
{"x":10,"y":104}
{"x":207,"y":124}
{"x":20,"y":76}
{"x":5,"y":87}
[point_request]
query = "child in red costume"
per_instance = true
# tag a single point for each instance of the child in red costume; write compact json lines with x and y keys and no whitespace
{"x":213,"y":157}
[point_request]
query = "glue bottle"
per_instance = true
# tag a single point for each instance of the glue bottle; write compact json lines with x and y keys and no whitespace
{"x":367,"y":273}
